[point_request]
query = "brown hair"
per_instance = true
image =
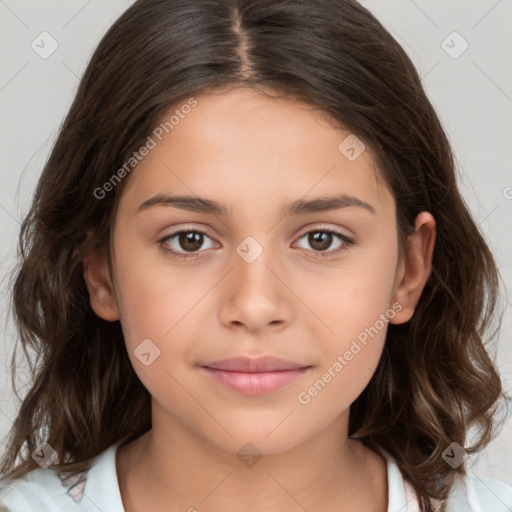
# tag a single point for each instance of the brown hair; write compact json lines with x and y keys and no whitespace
{"x":435,"y":379}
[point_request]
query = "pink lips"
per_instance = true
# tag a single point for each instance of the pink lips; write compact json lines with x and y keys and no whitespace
{"x":254,"y":376}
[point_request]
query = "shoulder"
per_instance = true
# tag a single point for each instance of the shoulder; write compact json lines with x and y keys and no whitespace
{"x":469,"y":493}
{"x":472,"y":492}
{"x":41,"y":489}
{"x":46,"y":490}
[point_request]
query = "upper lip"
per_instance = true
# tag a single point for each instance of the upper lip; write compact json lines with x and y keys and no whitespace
{"x":254,"y":364}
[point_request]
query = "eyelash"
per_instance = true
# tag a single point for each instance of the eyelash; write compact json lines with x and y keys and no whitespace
{"x":348,"y":242}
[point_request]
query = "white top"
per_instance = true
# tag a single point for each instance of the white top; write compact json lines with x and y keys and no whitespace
{"x":43,"y":490}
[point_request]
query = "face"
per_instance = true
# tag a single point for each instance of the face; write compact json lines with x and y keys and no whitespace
{"x":315,"y":285}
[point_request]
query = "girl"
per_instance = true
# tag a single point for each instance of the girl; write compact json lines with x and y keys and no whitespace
{"x":250,"y":279}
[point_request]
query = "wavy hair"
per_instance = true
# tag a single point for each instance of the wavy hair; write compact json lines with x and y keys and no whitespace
{"x":436,"y":378}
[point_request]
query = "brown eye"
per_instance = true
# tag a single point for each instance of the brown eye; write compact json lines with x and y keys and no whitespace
{"x":185,"y":241}
{"x":190,"y":240}
{"x":321,"y":239}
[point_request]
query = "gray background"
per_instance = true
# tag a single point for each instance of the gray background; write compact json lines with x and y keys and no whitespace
{"x":471,"y":90}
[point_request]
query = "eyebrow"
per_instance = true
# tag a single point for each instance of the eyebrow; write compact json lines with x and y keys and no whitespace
{"x":299,"y":207}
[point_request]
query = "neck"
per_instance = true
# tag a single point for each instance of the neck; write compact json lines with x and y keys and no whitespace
{"x":171,"y":468}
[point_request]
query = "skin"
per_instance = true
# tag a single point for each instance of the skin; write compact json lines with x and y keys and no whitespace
{"x":254,"y":154}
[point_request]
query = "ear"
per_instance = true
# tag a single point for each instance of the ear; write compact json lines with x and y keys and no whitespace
{"x":98,"y":280}
{"x":414,"y":267}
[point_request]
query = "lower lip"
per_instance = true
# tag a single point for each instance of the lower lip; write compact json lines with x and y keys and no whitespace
{"x":255,"y":383}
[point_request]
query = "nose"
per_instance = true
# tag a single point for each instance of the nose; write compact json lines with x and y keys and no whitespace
{"x":254,"y":295}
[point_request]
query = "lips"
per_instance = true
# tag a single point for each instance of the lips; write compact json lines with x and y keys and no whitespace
{"x":254,"y":376}
{"x":254,"y":365}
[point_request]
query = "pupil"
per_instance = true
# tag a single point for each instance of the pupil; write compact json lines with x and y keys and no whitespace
{"x":320,"y":240}
{"x":191,"y":241}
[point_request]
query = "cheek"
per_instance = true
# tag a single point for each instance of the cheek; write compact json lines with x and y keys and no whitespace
{"x":355,"y":305}
{"x":152,"y":294}
{"x":359,"y":316}
{"x":162,"y":304}
{"x":353,"y":296}
{"x":337,"y":385}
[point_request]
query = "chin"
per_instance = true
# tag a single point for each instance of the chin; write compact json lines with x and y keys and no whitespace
{"x":256,"y":439}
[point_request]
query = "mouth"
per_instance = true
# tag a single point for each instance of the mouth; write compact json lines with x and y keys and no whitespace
{"x":254,"y":376}
{"x":254,"y":364}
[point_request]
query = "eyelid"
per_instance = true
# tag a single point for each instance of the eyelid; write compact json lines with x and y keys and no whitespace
{"x":199,"y":229}
{"x":183,"y":229}
{"x":326,"y":227}
{"x":346,"y":242}
{"x":300,"y":233}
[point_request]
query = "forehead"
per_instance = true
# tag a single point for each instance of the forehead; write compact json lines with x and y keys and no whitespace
{"x":241,"y":147}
